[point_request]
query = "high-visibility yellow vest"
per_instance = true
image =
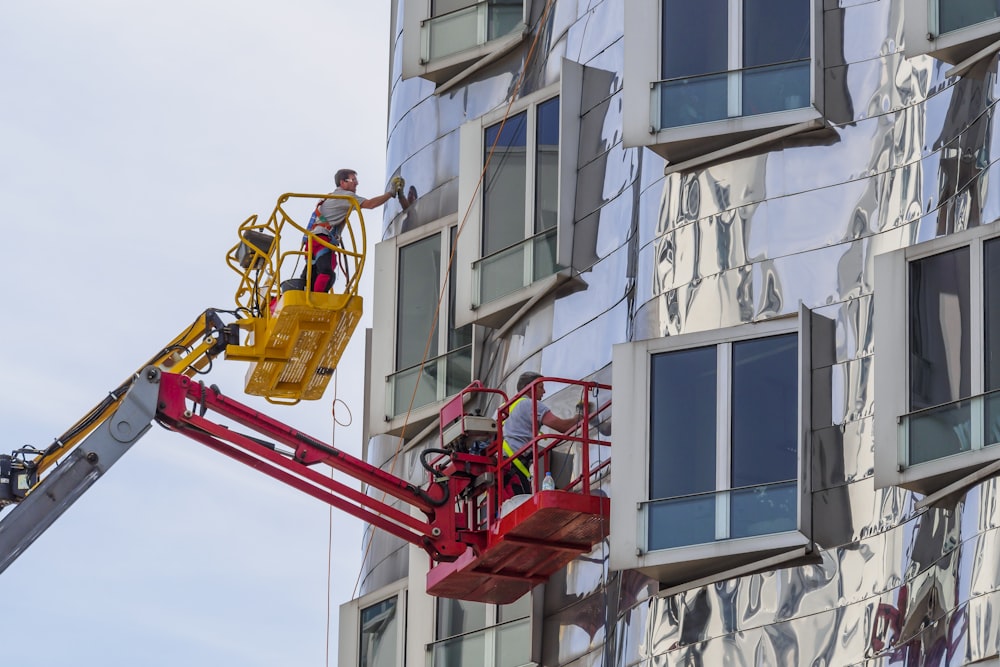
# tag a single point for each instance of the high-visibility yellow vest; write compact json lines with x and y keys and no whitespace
{"x":508,"y":451}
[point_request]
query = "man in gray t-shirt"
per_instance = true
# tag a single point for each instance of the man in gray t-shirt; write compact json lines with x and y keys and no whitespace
{"x":518,"y":431}
{"x":333,"y":214}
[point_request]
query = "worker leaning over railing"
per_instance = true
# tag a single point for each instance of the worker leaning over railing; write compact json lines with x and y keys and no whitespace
{"x":521,"y":426}
{"x":328,"y":222}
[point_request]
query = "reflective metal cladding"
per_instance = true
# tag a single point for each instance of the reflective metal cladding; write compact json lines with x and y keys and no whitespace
{"x":904,"y":155}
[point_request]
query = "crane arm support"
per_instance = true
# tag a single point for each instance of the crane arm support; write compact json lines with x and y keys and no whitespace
{"x":308,"y":450}
{"x":77,"y":473}
{"x":189,"y":352}
{"x":265,"y":459}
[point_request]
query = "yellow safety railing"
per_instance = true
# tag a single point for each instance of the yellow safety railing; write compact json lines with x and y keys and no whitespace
{"x":294,"y":336}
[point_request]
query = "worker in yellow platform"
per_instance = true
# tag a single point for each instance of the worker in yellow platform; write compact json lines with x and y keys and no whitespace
{"x":328,"y":221}
{"x":518,"y":431}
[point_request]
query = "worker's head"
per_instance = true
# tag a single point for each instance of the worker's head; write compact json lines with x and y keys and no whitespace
{"x":527,"y":378}
{"x":346,"y":179}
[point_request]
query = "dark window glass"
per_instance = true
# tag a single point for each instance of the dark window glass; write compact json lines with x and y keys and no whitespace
{"x":775,"y":31}
{"x":378,"y":634}
{"x":682,"y":429}
{"x":939,"y":329}
{"x":503,"y":17}
{"x":439,"y":7}
{"x":504,"y":188}
{"x":764,"y":412}
{"x":547,"y":165}
{"x":991,"y":301}
{"x":456,"y":617}
{"x":939,"y":356}
{"x":958,"y":14}
{"x":418,"y":290}
{"x":695,"y":37}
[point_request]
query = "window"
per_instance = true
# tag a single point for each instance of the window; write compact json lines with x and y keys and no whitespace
{"x":950,"y":30}
{"x":510,"y":184}
{"x":419,"y":327}
{"x":710,"y":481}
{"x":372,"y":629}
{"x":473,"y":633}
{"x":443,"y":39}
{"x":938,"y":393}
{"x":378,"y":630}
{"x":519,"y":243}
{"x":720,"y":417}
{"x":724,"y":67}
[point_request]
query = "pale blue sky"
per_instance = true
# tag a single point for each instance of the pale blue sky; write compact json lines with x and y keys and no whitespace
{"x":135,"y":137}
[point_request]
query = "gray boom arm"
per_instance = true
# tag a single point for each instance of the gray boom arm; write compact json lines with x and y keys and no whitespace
{"x":81,"y":468}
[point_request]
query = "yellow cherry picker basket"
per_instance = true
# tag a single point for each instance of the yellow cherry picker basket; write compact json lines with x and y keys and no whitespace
{"x":292,"y":336}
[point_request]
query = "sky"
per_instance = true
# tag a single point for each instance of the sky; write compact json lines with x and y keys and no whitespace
{"x":135,"y":136}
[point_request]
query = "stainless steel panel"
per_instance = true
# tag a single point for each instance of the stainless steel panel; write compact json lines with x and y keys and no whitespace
{"x":909,"y":155}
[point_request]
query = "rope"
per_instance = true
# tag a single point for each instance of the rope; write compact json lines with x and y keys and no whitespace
{"x":329,"y":541}
{"x":451,"y":258}
{"x":329,"y":538}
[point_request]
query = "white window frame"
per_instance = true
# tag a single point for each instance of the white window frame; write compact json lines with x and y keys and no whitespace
{"x":384,"y":331}
{"x":451,"y":69}
{"x":349,"y":631}
{"x":892,"y":377}
{"x":497,"y":312}
{"x":921,"y":36}
{"x":686,"y":566}
{"x":642,"y":71}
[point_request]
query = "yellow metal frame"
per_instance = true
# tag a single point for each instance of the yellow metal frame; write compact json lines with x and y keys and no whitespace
{"x":294,"y":338}
{"x":185,"y":354}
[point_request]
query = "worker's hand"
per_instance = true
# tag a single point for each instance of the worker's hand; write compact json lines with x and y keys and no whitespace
{"x":396,"y":185}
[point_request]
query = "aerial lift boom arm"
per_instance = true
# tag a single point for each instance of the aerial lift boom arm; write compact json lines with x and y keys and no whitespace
{"x":481,"y":546}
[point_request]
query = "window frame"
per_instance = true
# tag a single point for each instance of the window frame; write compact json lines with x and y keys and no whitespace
{"x":449,"y":69}
{"x":642,"y":71}
{"x":497,"y":312}
{"x":488,"y":632}
{"x":892,"y":372}
{"x":921,"y":36}
{"x":349,"y":630}
{"x":385,"y":332}
{"x":630,"y":485}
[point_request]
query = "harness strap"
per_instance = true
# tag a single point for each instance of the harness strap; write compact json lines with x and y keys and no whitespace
{"x":508,"y":451}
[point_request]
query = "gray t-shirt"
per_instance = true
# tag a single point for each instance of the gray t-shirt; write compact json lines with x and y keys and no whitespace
{"x":517,"y":427}
{"x":335,"y":211}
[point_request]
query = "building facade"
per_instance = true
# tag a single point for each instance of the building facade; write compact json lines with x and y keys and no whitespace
{"x":728,"y":210}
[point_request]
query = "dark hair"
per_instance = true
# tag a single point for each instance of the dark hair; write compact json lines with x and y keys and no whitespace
{"x":342,"y":175}
{"x":526,"y":378}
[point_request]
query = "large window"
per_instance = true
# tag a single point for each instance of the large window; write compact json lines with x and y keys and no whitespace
{"x":516,"y":244}
{"x":939,"y":368}
{"x":729,"y":58}
{"x":718,"y":71}
{"x":473,"y":633}
{"x":378,"y":635}
{"x":458,"y":25}
{"x":723,"y":442}
{"x":520,"y":202}
{"x":950,"y":29}
{"x":433,"y":356}
{"x":372,"y":629}
{"x":720,"y":417}
{"x":444,"y":38}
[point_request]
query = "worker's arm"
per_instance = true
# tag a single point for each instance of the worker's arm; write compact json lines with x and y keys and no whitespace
{"x":375,"y":202}
{"x":559,"y":423}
